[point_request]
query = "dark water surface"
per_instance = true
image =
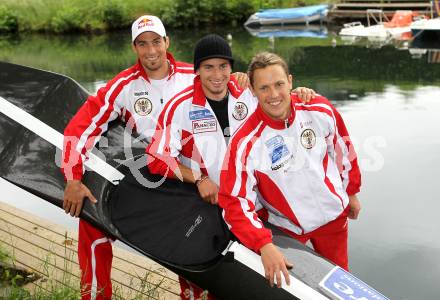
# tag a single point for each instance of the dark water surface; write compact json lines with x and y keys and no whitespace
{"x":389,"y":96}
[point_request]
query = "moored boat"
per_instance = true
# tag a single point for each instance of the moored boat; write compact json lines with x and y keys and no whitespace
{"x":297,"y":15}
{"x":379,"y":26}
{"x":426,"y":29}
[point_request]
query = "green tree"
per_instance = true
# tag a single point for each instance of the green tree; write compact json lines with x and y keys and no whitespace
{"x":8,"y":20}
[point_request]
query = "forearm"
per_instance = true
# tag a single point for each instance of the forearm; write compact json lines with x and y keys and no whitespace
{"x":169,"y":166}
{"x":72,"y":162}
{"x":186,"y":174}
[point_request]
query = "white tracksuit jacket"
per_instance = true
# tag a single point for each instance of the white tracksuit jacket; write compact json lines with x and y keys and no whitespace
{"x":192,"y":133}
{"x":302,"y":170}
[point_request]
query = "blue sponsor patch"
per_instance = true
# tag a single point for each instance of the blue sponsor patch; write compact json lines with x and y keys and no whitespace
{"x":200,"y":114}
{"x":344,"y":286}
{"x":277,"y":148}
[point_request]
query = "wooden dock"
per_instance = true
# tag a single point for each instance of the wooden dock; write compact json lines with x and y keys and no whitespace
{"x":50,"y":251}
{"x":357,"y":9}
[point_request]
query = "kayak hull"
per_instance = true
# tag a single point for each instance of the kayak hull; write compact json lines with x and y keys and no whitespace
{"x":166,"y":222}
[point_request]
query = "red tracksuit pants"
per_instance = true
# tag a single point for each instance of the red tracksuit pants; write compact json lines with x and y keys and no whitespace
{"x":95,"y":257}
{"x":329,"y":240}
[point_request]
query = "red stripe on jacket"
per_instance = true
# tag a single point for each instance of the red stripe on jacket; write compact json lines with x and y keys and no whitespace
{"x":162,"y":163}
{"x":72,"y":164}
{"x":233,"y":212}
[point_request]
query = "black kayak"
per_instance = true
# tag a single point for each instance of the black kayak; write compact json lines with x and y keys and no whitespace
{"x":165,"y":220}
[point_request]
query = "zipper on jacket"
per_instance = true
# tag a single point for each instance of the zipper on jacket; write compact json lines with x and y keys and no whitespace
{"x":286,"y":123}
{"x":161,"y":101}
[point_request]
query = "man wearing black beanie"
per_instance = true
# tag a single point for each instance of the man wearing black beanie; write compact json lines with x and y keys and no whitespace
{"x":206,"y":113}
{"x":212,"y":46}
{"x":193,"y":129}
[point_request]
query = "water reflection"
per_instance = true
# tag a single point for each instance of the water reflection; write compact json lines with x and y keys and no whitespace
{"x":417,"y":48}
{"x":393,"y":245}
{"x":313,"y":61}
{"x":291,"y":31}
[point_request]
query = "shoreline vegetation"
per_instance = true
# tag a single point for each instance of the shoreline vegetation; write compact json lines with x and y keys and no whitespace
{"x":81,"y":16}
{"x":57,"y":279}
{"x":20,"y":283}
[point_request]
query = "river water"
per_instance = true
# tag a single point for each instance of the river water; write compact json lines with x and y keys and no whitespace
{"x":389,"y":96}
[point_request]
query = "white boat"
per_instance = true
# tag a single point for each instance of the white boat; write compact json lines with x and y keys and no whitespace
{"x":382,"y":28}
{"x":426,"y":29}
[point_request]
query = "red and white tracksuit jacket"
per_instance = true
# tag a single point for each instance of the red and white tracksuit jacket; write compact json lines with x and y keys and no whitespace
{"x":301,"y":170}
{"x":131,"y":97}
{"x":188,"y":131}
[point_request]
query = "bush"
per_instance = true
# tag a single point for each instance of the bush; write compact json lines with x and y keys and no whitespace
{"x":8,"y":20}
{"x":239,"y":11}
{"x":183,"y":13}
{"x":114,"y":14}
{"x":67,"y":19}
{"x":196,"y":13}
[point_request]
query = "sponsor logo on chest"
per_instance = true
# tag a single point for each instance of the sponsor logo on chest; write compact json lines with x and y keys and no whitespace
{"x":200,"y":114}
{"x":278,"y":152}
{"x":140,"y":94}
{"x":205,"y":125}
{"x":303,"y":124}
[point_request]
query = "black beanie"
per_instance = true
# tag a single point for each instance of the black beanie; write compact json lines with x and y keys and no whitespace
{"x":212,"y":46}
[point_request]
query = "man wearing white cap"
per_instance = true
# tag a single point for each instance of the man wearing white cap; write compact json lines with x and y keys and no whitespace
{"x":135,"y":95}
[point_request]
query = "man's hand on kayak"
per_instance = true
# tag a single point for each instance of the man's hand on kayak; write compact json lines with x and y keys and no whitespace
{"x":274,"y":264}
{"x":74,"y":195}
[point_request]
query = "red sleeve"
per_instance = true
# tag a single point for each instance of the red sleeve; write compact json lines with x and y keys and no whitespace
{"x":346,"y":158}
{"x":166,"y":143}
{"x":160,"y":164}
{"x":86,"y":127}
{"x":237,"y":197}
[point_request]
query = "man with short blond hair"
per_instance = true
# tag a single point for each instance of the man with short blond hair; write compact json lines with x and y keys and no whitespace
{"x":194,"y":128}
{"x":299,"y":160}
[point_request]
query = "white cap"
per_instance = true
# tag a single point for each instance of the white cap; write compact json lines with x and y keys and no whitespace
{"x":147,"y":23}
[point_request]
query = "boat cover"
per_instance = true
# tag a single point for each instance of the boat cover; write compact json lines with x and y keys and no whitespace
{"x":291,"y":13}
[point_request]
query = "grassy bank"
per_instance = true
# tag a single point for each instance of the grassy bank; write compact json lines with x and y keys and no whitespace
{"x":19,"y":283}
{"x":64,"y":16}
{"x":55,"y":280}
